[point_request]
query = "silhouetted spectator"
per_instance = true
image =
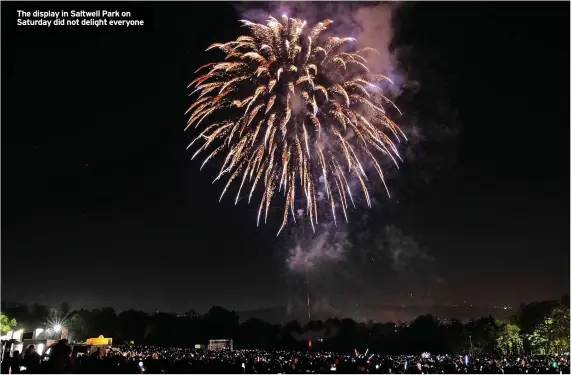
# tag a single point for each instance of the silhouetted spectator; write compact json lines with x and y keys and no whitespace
{"x":60,"y":359}
{"x":32,"y":360}
{"x":15,"y":362}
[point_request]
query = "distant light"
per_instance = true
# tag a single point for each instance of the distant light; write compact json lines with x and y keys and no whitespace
{"x":37,"y":332}
{"x":57,"y":328}
{"x":466,"y":360}
{"x":40,"y":349}
{"x":284,"y":14}
{"x":17,"y":335}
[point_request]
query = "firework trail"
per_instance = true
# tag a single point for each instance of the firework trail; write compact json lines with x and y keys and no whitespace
{"x":296,"y":112}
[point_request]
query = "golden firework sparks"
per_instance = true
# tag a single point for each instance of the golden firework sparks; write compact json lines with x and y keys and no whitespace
{"x":319,"y":95}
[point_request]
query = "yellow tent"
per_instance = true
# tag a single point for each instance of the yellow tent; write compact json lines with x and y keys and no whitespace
{"x":99,"y":341}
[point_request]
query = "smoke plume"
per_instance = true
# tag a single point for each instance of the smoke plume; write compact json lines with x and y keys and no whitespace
{"x":369,"y":22}
{"x":323,"y":263}
{"x":327,"y":247}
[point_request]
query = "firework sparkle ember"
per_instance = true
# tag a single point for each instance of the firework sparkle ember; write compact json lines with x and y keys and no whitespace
{"x":293,"y":112}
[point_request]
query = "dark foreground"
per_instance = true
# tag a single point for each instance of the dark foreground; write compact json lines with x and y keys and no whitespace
{"x":139,"y":359}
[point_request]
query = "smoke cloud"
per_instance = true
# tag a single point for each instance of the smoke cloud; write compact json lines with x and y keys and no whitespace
{"x":323,"y":263}
{"x":370,"y":23}
{"x":325,"y":248}
{"x":400,"y":249}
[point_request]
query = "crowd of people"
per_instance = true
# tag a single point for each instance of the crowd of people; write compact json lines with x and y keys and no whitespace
{"x":156,"y":360}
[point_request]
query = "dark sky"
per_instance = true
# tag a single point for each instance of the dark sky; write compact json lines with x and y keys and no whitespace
{"x":101,"y":204}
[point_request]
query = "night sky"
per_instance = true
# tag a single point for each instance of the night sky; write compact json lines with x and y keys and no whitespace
{"x":102,"y":206}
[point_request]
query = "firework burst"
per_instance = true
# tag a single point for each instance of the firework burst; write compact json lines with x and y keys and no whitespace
{"x":293,"y":112}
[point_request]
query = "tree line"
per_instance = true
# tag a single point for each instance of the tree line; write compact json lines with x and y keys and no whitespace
{"x":536,"y":328}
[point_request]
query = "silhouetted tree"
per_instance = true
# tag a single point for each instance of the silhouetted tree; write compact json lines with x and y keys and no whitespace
{"x":509,"y":340}
{"x":458,"y":337}
{"x":132,"y":326}
{"x":7,"y":323}
{"x":483,"y":334}
{"x":220,"y":323}
{"x":544,"y":327}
